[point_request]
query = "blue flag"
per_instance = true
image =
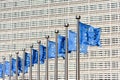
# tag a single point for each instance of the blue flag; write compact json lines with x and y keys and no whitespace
{"x":19,"y":64}
{"x":72,"y":43}
{"x":61,"y":46}
{"x":83,"y":38}
{"x":42,"y":54}
{"x":7,"y":67}
{"x":97,"y":36}
{"x":27,"y":61}
{"x":89,"y":35}
{"x":1,"y":70}
{"x":34,"y":56}
{"x":83,"y":33}
{"x":51,"y":49}
{"x":94,"y":36}
{"x":83,"y":48}
{"x":14,"y":66}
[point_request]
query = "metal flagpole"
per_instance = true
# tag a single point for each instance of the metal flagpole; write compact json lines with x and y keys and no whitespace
{"x":10,"y":59}
{"x":66,"y":51}
{"x":47,"y":37}
{"x":78,"y":50}
{"x":30,"y":72}
{"x":17,"y":65}
{"x":38,"y":72}
{"x":3,"y":67}
{"x":56,"y":56}
{"x":23,"y":64}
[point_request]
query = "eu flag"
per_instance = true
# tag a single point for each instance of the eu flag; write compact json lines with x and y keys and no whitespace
{"x":42,"y":54}
{"x":72,"y":43}
{"x":34,"y":56}
{"x":27,"y":61}
{"x":14,"y":66}
{"x":94,"y":36}
{"x":7,"y":69}
{"x":97,"y":36}
{"x":83,"y":48}
{"x":51,"y":49}
{"x":83,"y":33}
{"x":19,"y":64}
{"x":1,"y":70}
{"x":61,"y":46}
{"x":89,"y":35}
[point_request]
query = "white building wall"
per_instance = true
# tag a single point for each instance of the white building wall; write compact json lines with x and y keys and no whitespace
{"x":23,"y":22}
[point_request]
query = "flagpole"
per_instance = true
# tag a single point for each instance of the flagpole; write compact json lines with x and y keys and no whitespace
{"x":47,"y":37}
{"x":56,"y":56}
{"x":30,"y":72}
{"x":10,"y":59}
{"x":23,"y":64}
{"x":38,"y":72}
{"x":66,"y":51}
{"x":3,"y":67}
{"x":78,"y":50}
{"x":17,"y":65}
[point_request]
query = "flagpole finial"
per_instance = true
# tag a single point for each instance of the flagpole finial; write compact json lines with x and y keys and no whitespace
{"x":3,"y":57}
{"x":23,"y":49}
{"x":47,"y":36}
{"x":56,"y":31}
{"x":38,"y":41}
{"x":10,"y":55}
{"x":17,"y":52}
{"x":31,"y":46}
{"x":78,"y":17}
{"x":66,"y":25}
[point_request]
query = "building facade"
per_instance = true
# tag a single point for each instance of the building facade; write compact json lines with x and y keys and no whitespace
{"x":23,"y":22}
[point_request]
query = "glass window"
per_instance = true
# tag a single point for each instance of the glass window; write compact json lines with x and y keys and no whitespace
{"x":115,"y":16}
{"x":84,"y":76}
{"x":115,"y":52}
{"x":115,"y":40}
{"x":60,"y":10}
{"x":34,"y":12}
{"x":114,"y":64}
{"x":95,"y":18}
{"x":84,"y":65}
{"x":92,"y":7}
{"x":52,"y":11}
{"x":71,"y":9}
{"x":72,"y":76}
{"x":34,"y":23}
{"x":105,"y":41}
{"x":102,"y":53}
{"x":15,"y":15}
{"x":15,"y":4}
{"x":105,"y":29}
{"x":101,"y":6}
{"x":65,"y":9}
{"x":33,"y":35}
{"x":106,"y":17}
{"x":25,"y":13}
{"x":113,"y":5}
{"x":115,"y":28}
